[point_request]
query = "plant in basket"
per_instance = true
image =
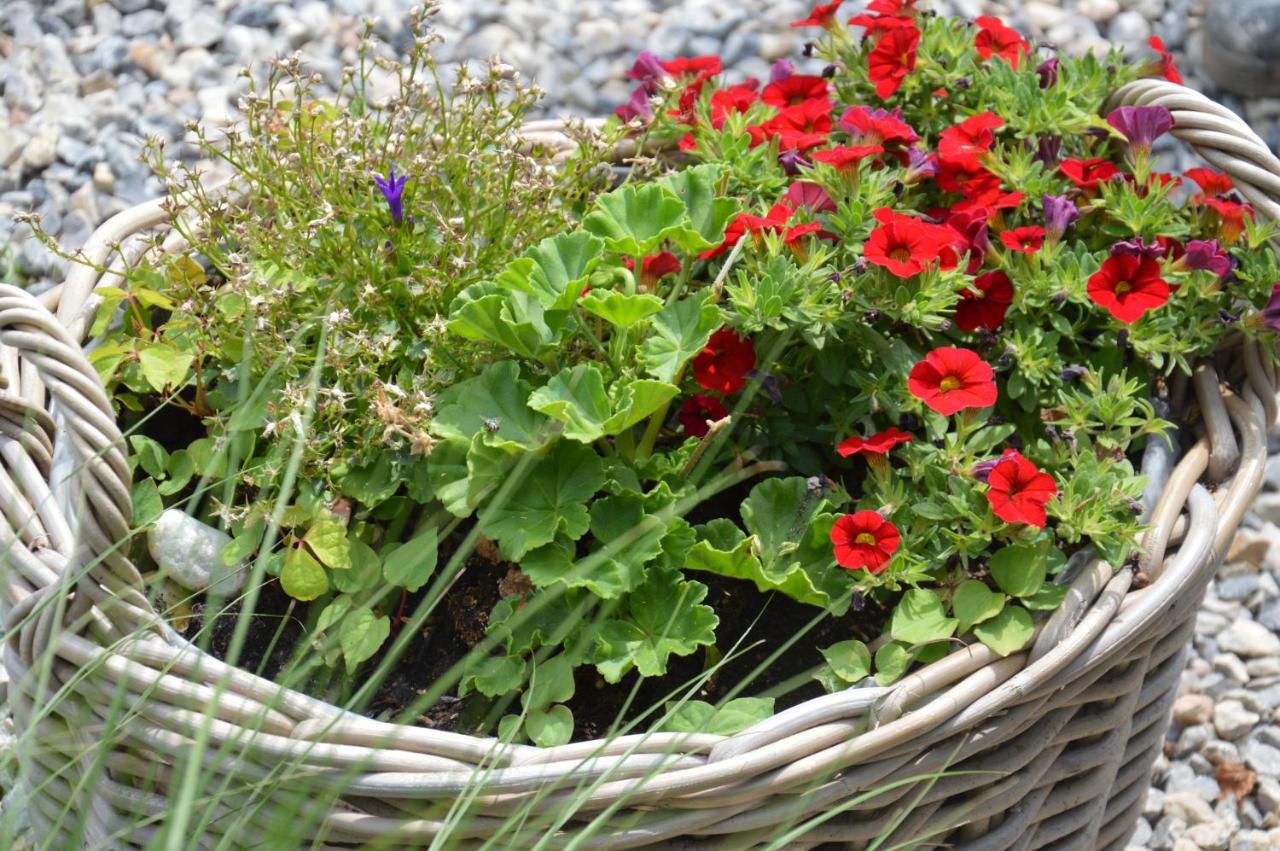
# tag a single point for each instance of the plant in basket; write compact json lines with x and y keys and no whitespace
{"x":853,"y":374}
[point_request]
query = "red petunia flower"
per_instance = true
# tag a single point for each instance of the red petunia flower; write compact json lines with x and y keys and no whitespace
{"x":697,"y":410}
{"x":892,"y":7}
{"x":724,"y":363}
{"x":1026,"y":239}
{"x":970,"y":227}
{"x":688,"y":142}
{"x":905,"y":245}
{"x":986,"y":193}
{"x":951,"y":379}
{"x":795,"y":90}
{"x":893,"y":57}
{"x":795,"y":236}
{"x":1018,"y":491}
{"x":655,"y":266}
{"x":969,"y":140}
{"x":877,"y":444}
{"x":772,"y":222}
{"x":1087,"y":174}
{"x":987,"y":307}
{"x":822,"y":15}
{"x":867,"y":126}
{"x":1232,"y":215}
{"x":996,"y":39}
{"x":1210,"y":182}
{"x":805,"y":193}
{"x":1127,"y":286}
{"x":797,"y":128}
{"x":864,"y":540}
{"x":845,"y":158}
{"x":698,"y":67}
{"x":727,"y":101}
{"x":1165,"y":66}
{"x":877,"y":25}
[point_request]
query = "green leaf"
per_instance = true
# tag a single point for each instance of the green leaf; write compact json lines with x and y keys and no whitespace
{"x":920,"y":618}
{"x":635,"y":400}
{"x":302,"y":577}
{"x":495,"y":676}
{"x":850,"y":660}
{"x":555,"y":269}
{"x":366,"y":569}
{"x":557,"y":562}
{"x":698,"y":716}
{"x":250,"y":414}
{"x":620,"y":309}
{"x":181,"y":468}
{"x":552,"y":499}
{"x":634,"y":220}
{"x":551,"y":682}
{"x":576,"y":398}
{"x":892,"y":661}
{"x":372,"y":483}
{"x":550,"y":728}
{"x":361,"y":635}
{"x":1019,"y":570}
{"x":327,"y":538}
{"x":974,"y":603}
{"x":242,"y":545}
{"x":147,"y":505}
{"x":164,"y":365}
{"x":509,"y":318}
{"x":492,"y":404}
{"x":152,"y":457}
{"x":706,"y":214}
{"x":411,"y":564}
{"x":1048,"y":598}
{"x":1007,"y":632}
{"x":680,"y":331}
{"x":665,"y":618}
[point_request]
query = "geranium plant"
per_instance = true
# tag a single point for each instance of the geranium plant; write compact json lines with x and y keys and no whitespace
{"x":883,"y":340}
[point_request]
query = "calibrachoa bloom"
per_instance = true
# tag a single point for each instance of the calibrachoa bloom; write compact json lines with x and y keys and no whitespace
{"x":1027,"y":239}
{"x":1087,"y":174}
{"x":1207,"y":254}
{"x":797,"y":128}
{"x":1127,"y":286}
{"x":1048,"y":72}
{"x":637,"y":106}
{"x":1060,"y":213}
{"x":845,"y":158}
{"x":965,"y":143}
{"x":1210,"y":182}
{"x":727,"y":101}
{"x":893,"y":57}
{"x":904,"y":245}
{"x":1271,"y":313}
{"x":870,"y":126}
{"x":794,"y":90}
{"x":1231,"y":215}
{"x":996,"y":39}
{"x":1018,"y":491}
{"x":987,"y":307}
{"x":877,"y":444}
{"x":392,"y":188}
{"x":804,"y":193}
{"x":1165,"y":66}
{"x":823,"y":15}
{"x":724,"y":363}
{"x":697,"y":410}
{"x":781,"y":70}
{"x":1141,"y":125}
{"x":950,"y":380}
{"x":864,"y":540}
{"x":1136,"y":247}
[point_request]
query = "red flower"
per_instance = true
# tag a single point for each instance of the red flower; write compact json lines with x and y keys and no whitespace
{"x":893,"y":57}
{"x":1210,"y":182}
{"x":876,"y":25}
{"x":985,"y":192}
{"x":1232,"y":215}
{"x":688,"y":142}
{"x":698,"y":67}
{"x":970,"y":227}
{"x":950,"y":380}
{"x":773,"y":221}
{"x":697,"y":410}
{"x":892,"y":7}
{"x":1127,"y":286}
{"x":905,"y":245}
{"x":797,"y":128}
{"x":877,"y":444}
{"x":1087,"y":174}
{"x":969,"y":140}
{"x":1025,"y":239}
{"x":994,"y":38}
{"x":1165,"y":67}
{"x":823,"y":15}
{"x":1019,"y":491}
{"x":794,"y":238}
{"x":804,"y":193}
{"x":724,"y":363}
{"x":987,"y":307}
{"x":795,"y":90}
{"x":726,"y":101}
{"x":876,"y":127}
{"x":845,"y":158}
{"x":655,"y":266}
{"x":864,"y":540}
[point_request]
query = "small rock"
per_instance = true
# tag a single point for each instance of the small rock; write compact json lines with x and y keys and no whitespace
{"x":1219,"y":752}
{"x":1153,"y":805}
{"x":189,"y":552}
{"x":1251,"y":840}
{"x":1267,"y":791}
{"x":1129,"y":28}
{"x":202,"y":29}
{"x":1262,"y":757}
{"x":149,"y":57}
{"x":1238,"y":588}
{"x":143,"y":22}
{"x":1187,"y":808}
{"x":1249,"y":638}
{"x":98,"y":81}
{"x":1211,"y":836}
{"x":1263,"y":667}
{"x":1192,"y":739}
{"x":1191,"y":709}
{"x":1230,"y":664}
{"x":1043,"y":16}
{"x":104,"y":180}
{"x":1232,"y":720}
{"x":41,"y":150}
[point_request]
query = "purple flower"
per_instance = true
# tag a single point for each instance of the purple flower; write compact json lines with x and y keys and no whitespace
{"x":1048,"y":71}
{"x":1060,"y":213}
{"x":648,"y":70}
{"x":803,"y":193}
{"x":982,"y":470}
{"x":781,"y":70}
{"x":1141,"y":125}
{"x":1271,"y":313}
{"x":1137,"y":248}
{"x":637,"y":106}
{"x":793,"y":161}
{"x":920,"y":164}
{"x":1207,"y":254}
{"x":393,"y":190}
{"x":1048,"y":150}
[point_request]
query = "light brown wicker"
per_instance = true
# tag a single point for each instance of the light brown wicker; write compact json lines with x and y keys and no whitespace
{"x":1055,"y":744}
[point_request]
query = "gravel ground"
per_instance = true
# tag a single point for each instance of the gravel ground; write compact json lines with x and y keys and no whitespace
{"x":84,"y":80}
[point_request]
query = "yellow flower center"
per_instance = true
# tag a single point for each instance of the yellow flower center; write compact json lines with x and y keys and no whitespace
{"x":900,"y":254}
{"x":1123,"y":287}
{"x":866,"y":539}
{"x":950,"y":383}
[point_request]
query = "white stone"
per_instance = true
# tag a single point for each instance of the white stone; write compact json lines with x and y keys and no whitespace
{"x":189,"y":552}
{"x":1099,"y":11}
{"x":1211,"y":836}
{"x":1231,"y":665}
{"x":1188,"y":808}
{"x":1129,"y":28}
{"x":1191,"y":709}
{"x":1251,"y":840}
{"x":1249,"y":638}
{"x":41,"y":149}
{"x":1043,"y":16}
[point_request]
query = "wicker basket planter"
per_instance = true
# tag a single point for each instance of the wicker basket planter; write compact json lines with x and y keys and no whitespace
{"x":1052,"y":746}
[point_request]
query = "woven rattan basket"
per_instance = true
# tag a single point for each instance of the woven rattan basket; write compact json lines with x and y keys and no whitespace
{"x":1052,"y":746}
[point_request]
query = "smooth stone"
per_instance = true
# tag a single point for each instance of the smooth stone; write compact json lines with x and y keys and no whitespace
{"x":189,"y":552}
{"x":1249,"y":638}
{"x":1231,"y":665}
{"x":1191,"y":709}
{"x":1262,"y":757}
{"x":1212,"y":836}
{"x":1099,"y":11}
{"x":1251,"y":840}
{"x":1232,"y":720}
{"x":41,"y":150}
{"x":144,"y":22}
{"x":1129,"y":28}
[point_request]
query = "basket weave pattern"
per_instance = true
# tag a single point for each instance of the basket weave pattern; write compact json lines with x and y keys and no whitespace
{"x":1053,"y":745}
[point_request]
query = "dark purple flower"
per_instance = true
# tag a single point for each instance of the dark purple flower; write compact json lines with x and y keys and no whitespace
{"x":1072,"y":372}
{"x":648,"y":69}
{"x":637,"y":106}
{"x":1048,"y":71}
{"x":982,"y":470}
{"x":1141,"y":125}
{"x":804,"y":193}
{"x":920,"y":164}
{"x":1048,"y":150}
{"x":393,"y":190}
{"x":1207,"y":254}
{"x":781,"y":70}
{"x":1060,"y":213}
{"x":1271,"y":313}
{"x":1137,"y":248}
{"x":792,"y":161}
